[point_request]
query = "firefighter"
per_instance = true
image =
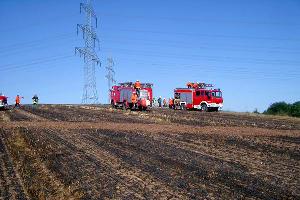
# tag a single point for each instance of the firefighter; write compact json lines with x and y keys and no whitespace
{"x":134,"y":100}
{"x":171,"y":103}
{"x":35,"y":100}
{"x":137,"y":87}
{"x":159,"y":101}
{"x":195,"y":85}
{"x":153,"y":101}
{"x":189,"y":84}
{"x":165,"y":102}
{"x":18,"y":100}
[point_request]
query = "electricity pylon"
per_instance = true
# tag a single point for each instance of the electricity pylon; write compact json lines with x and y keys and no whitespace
{"x":110,"y":76}
{"x":90,"y":94}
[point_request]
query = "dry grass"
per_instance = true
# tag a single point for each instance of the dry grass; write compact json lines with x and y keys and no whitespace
{"x":39,"y":182}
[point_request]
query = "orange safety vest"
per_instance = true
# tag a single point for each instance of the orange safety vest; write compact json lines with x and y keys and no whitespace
{"x":137,"y":85}
{"x":133,"y":98}
{"x":18,"y":100}
{"x":171,"y":102}
{"x":189,"y":84}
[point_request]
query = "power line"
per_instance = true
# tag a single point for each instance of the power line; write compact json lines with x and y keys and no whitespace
{"x":194,"y":34}
{"x":38,"y":41}
{"x":17,"y":47}
{"x":204,"y":35}
{"x":34,"y":47}
{"x":203,"y":46}
{"x":53,"y":19}
{"x":203,"y":20}
{"x":34,"y":62}
{"x":203,"y":70}
{"x":164,"y":68}
{"x":198,"y":67}
{"x":208,"y":58}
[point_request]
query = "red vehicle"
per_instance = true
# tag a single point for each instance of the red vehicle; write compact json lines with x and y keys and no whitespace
{"x":199,"y":96}
{"x":3,"y":102}
{"x":120,"y":96}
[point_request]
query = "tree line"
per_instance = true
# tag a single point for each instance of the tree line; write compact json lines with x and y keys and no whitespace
{"x":283,"y":108}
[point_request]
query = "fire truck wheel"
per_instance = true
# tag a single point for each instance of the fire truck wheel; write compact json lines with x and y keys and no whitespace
{"x":112,"y":104}
{"x":124,"y":106}
{"x":183,"y":107}
{"x":203,"y":107}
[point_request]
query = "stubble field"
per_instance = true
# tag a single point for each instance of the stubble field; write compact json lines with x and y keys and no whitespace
{"x":95,"y":152}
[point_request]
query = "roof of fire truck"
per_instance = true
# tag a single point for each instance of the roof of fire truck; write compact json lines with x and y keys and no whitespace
{"x":197,"y":85}
{"x":2,"y":97}
{"x":131,"y":84}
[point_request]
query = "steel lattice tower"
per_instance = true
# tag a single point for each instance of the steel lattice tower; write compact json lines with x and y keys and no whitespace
{"x":90,"y":95}
{"x":110,"y":75}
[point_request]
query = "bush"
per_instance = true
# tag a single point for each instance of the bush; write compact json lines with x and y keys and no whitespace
{"x":295,"y":109}
{"x":255,"y":111}
{"x":279,"y":108}
{"x":282,"y":108}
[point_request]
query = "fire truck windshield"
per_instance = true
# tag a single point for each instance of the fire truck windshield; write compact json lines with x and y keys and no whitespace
{"x":216,"y":93}
{"x":144,"y":94}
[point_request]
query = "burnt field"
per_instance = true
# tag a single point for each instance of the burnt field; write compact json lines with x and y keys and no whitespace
{"x":90,"y":152}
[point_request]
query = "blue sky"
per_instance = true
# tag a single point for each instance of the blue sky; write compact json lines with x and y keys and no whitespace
{"x":249,"y":49}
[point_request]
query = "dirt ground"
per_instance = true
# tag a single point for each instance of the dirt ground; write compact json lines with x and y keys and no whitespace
{"x":95,"y":152}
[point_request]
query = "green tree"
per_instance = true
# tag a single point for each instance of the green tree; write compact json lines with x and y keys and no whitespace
{"x":255,"y":111}
{"x":279,"y":108}
{"x":295,"y":109}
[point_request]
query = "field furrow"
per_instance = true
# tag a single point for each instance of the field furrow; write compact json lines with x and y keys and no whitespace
{"x":96,"y":152}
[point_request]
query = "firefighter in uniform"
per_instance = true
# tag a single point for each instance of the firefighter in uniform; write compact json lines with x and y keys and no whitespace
{"x":134,"y":100}
{"x":159,"y":101}
{"x":18,"y":101}
{"x":35,"y":100}
{"x":189,"y":85}
{"x":171,"y":103}
{"x":195,"y":85}
{"x":137,"y":87}
{"x":164,"y":102}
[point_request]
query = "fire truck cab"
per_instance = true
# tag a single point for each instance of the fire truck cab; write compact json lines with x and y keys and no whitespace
{"x":199,"y":96}
{"x":3,"y":102}
{"x":120,"y":96}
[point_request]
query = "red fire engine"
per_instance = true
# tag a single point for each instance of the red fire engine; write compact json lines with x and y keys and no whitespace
{"x":200,"y":96}
{"x":3,"y":101}
{"x":120,"y":96}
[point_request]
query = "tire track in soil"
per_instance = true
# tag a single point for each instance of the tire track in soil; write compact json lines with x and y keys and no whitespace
{"x":15,"y":115}
{"x":72,"y":165}
{"x":48,"y":114}
{"x":76,"y":114}
{"x":111,"y":115}
{"x":196,"y":141}
{"x":104,"y":172}
{"x":144,"y":183}
{"x":231,"y":179}
{"x":264,"y":147}
{"x":31,"y":116}
{"x":11,"y":186}
{"x":276,"y":170}
{"x":169,"y":176}
{"x":155,"y":164}
{"x":192,"y":118}
{"x":197,"y":118}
